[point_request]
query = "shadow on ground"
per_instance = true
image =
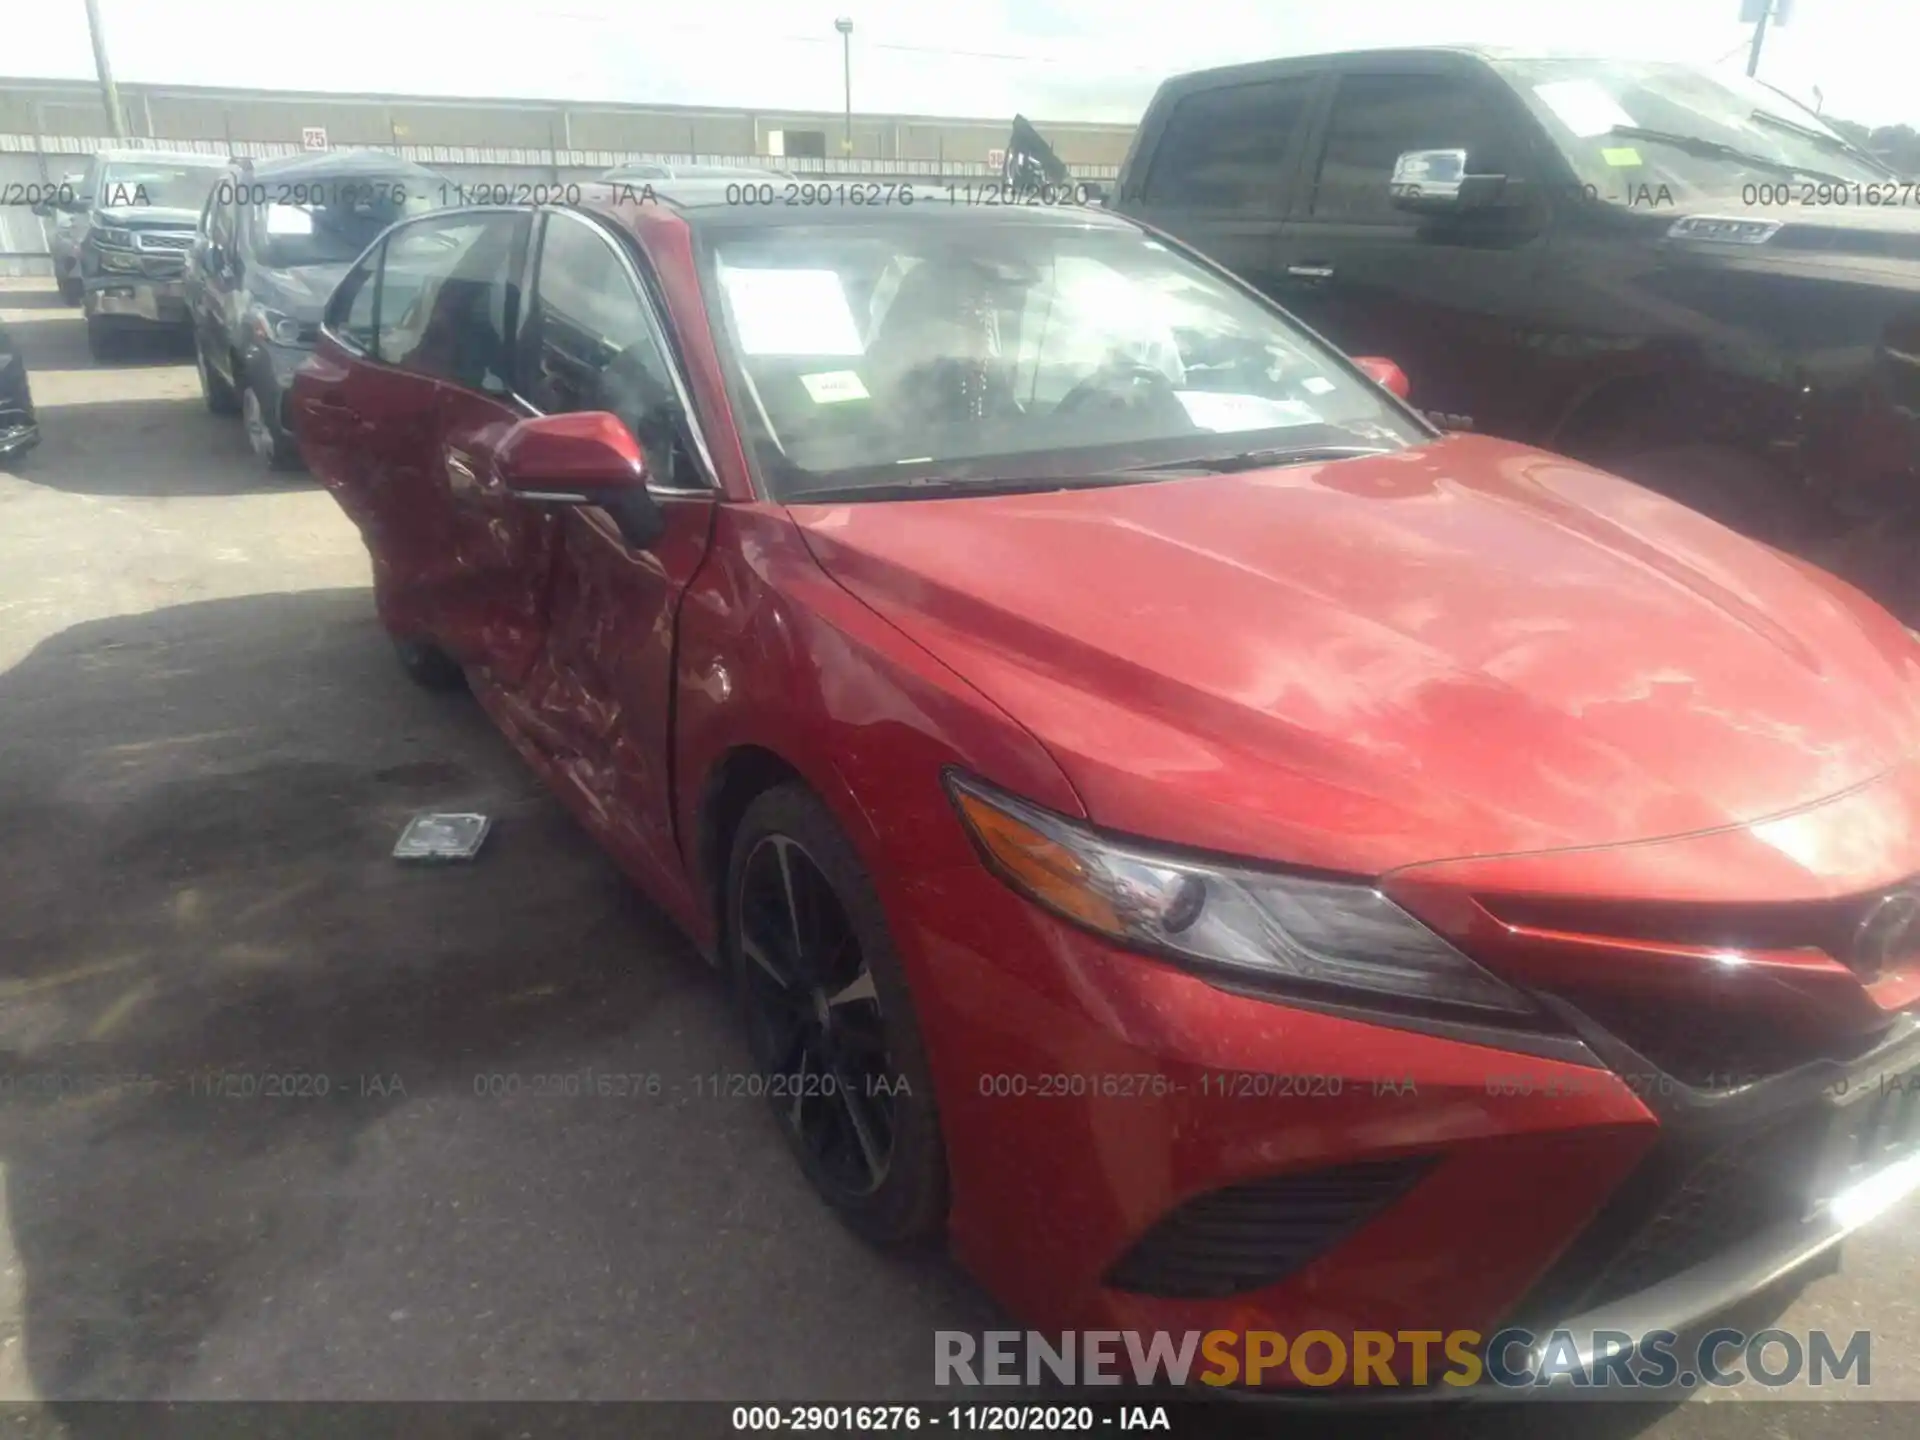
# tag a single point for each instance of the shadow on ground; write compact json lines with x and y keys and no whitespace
{"x":282,"y":1118}
{"x":141,"y":454}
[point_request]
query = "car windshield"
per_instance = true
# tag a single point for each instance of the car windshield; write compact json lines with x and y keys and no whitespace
{"x":330,"y":221}
{"x":165,"y":187}
{"x":1760,"y":135}
{"x":875,"y":353}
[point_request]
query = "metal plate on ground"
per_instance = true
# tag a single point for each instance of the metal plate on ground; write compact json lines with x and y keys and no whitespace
{"x":439,"y":835}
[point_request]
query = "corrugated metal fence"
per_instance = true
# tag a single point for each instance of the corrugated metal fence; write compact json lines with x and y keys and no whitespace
{"x":27,"y":160}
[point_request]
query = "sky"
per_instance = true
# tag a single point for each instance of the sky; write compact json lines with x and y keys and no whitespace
{"x":1051,"y":59}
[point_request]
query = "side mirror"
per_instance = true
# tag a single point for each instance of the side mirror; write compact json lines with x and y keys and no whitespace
{"x":1436,"y":182}
{"x":586,"y":458}
{"x":216,"y":257}
{"x":1385,"y":374}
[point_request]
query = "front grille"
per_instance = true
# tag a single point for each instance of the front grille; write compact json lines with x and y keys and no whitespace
{"x":162,"y":240}
{"x":1251,"y":1235}
{"x":1716,"y":1179}
{"x":1833,"y":927}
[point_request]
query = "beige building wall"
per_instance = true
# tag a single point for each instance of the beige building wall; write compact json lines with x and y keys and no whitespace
{"x":29,"y":107}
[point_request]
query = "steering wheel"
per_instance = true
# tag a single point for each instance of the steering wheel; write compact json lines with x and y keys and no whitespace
{"x":1121,"y":385}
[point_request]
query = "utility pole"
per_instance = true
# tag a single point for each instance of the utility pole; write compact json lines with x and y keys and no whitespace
{"x":109,"y":95}
{"x":845,"y":27}
{"x":1759,"y":36}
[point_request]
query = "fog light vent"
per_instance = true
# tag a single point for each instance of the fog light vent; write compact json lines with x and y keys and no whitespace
{"x":1248,"y":1236}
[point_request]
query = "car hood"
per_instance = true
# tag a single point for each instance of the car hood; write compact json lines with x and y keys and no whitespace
{"x":1469,"y":648}
{"x":300,"y":291}
{"x":148,"y":217}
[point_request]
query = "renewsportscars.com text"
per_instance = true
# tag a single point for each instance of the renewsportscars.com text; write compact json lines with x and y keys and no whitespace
{"x":1510,"y":1359}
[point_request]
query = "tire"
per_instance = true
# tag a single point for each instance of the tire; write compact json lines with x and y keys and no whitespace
{"x":869,"y":1041}
{"x":71,"y":290}
{"x":271,"y":445}
{"x":103,"y":340}
{"x":215,"y":388}
{"x":428,"y":666}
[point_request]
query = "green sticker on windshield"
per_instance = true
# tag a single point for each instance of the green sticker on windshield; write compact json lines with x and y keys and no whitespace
{"x":1620,"y":155}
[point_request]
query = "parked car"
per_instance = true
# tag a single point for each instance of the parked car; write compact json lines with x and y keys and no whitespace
{"x":274,"y":238}
{"x":63,"y":239}
{"x":686,"y":170}
{"x":19,"y":426}
{"x":1685,"y":278}
{"x":137,"y":211}
{"x":1221,"y":850}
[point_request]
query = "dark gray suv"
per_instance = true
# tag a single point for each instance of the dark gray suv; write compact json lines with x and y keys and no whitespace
{"x":274,"y":239}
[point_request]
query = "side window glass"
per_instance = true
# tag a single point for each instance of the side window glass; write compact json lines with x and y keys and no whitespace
{"x":350,"y":313}
{"x":1227,"y":149}
{"x":589,"y":346}
{"x":220,"y":213}
{"x":449,"y":294}
{"x":1376,"y":118}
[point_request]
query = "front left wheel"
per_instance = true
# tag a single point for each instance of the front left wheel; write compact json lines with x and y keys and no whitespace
{"x":835,"y":1041}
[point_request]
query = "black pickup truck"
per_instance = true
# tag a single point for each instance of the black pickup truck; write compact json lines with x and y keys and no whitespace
{"x":1686,"y":278}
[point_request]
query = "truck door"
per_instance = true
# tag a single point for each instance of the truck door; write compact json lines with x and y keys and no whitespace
{"x":1449,"y":297}
{"x":1223,"y":169}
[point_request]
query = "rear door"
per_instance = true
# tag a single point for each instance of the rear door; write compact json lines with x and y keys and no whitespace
{"x":1451,"y":298}
{"x":600,"y":700}
{"x":1224,"y":167}
{"x":213,"y":275}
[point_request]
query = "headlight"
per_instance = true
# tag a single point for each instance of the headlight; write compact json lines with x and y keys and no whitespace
{"x":114,"y":260}
{"x":271,"y":325}
{"x":1284,"y":930}
{"x":111,"y":238}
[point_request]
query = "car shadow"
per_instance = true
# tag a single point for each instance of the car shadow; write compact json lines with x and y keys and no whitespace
{"x":154,"y":448}
{"x":281,"y":1117}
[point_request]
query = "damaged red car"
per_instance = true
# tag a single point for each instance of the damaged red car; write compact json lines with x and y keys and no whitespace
{"x":1212,"y":848}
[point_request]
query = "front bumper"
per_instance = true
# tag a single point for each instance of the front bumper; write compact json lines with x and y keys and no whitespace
{"x":135,"y":300}
{"x":1081,"y":1094}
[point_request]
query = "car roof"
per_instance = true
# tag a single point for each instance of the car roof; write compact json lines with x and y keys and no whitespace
{"x":1280,"y":64}
{"x":703,"y":202}
{"x":334,"y":163}
{"x":160,"y":157}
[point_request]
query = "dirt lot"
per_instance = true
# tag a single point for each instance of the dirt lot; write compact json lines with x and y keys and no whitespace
{"x":205,"y":754}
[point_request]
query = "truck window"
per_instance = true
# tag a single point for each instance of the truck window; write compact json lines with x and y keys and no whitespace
{"x":1377,"y":117}
{"x":1225,"y":149}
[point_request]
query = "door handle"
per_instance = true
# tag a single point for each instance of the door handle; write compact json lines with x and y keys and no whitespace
{"x":461,"y":476}
{"x":1311,"y":271}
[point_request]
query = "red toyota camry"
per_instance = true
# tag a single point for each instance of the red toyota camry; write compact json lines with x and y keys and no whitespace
{"x":1215,"y":849}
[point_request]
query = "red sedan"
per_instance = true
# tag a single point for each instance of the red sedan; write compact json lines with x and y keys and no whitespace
{"x":1214,"y":849}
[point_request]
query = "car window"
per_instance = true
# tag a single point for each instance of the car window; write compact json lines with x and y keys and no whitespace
{"x":449,"y":298}
{"x":590,"y":344}
{"x":866,"y":354}
{"x":1751,"y":136}
{"x":350,"y":313}
{"x":219,"y":220}
{"x":1226,"y":148}
{"x":163,"y":186}
{"x":1376,"y":118}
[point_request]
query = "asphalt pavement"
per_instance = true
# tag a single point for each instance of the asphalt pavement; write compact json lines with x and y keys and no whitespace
{"x":283,"y":1119}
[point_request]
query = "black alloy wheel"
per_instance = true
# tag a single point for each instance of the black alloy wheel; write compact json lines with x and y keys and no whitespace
{"x":829,"y":1022}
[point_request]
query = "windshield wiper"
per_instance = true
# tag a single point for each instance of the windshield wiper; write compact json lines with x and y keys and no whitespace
{"x":1719,"y":150}
{"x":1820,"y":138}
{"x":1279,"y":455}
{"x":925,"y":486}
